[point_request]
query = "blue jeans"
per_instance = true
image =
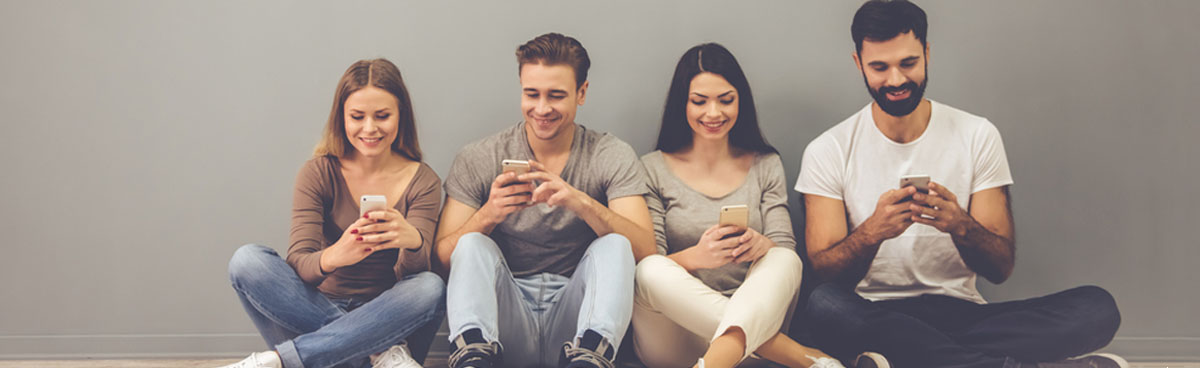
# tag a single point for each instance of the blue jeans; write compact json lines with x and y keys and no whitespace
{"x":533,"y":316}
{"x":939,"y":331}
{"x":308,"y":329}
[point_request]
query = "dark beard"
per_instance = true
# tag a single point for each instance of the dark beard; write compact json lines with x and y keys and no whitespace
{"x":902,"y":107}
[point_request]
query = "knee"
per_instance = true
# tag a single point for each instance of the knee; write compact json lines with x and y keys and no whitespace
{"x":830,"y":309}
{"x":613,"y":249}
{"x":426,"y":289}
{"x":788,"y":261}
{"x":650,"y":274}
{"x":1098,"y":312}
{"x":473,"y":248}
{"x":248,"y":262}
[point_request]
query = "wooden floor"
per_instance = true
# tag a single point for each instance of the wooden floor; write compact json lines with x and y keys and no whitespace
{"x":210,"y":363}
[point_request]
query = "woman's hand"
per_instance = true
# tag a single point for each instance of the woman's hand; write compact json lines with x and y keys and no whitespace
{"x":388,"y":229}
{"x":714,"y":249}
{"x":349,"y":249}
{"x":751,"y":246}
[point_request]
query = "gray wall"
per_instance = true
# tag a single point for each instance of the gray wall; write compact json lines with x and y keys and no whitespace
{"x":144,"y":141}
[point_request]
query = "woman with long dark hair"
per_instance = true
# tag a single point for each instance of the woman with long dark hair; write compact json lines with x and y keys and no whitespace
{"x":715,"y":294}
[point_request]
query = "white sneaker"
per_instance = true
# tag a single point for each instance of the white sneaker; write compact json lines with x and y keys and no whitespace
{"x":265,"y":359}
{"x":396,"y":356}
{"x":824,"y":362}
{"x":871,"y":360}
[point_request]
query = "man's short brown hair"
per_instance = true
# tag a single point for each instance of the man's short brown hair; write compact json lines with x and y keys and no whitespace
{"x":555,"y":49}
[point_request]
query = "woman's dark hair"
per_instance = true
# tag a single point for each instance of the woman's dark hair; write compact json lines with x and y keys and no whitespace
{"x":675,"y":133}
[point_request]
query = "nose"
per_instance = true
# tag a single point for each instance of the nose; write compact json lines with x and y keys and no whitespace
{"x":542,"y":108}
{"x":895,"y":78}
{"x":370,"y":124}
{"x":713,"y":111}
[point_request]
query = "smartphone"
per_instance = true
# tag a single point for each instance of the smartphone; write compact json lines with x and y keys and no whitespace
{"x":919,"y":181}
{"x":370,"y":202}
{"x":517,"y":166}
{"x":736,"y":215}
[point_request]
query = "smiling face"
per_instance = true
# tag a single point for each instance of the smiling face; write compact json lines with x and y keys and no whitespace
{"x":549,"y":99}
{"x":712,"y":107}
{"x":372,"y":118}
{"x":895,"y":72}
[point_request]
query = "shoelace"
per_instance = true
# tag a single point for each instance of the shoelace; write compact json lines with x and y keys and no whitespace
{"x":587,"y":355}
{"x":472,"y":351}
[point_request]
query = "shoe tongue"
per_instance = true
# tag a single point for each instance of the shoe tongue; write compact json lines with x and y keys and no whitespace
{"x":592,"y":341}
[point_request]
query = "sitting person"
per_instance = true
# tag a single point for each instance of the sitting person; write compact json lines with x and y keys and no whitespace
{"x":541,"y":259}
{"x":713,"y":291}
{"x":903,"y":261}
{"x":355,"y":289}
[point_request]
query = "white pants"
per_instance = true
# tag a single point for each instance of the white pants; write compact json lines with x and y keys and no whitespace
{"x":676,"y":316}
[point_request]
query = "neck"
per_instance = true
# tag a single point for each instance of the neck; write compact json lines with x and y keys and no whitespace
{"x":372,"y":165}
{"x":903,"y":129}
{"x":708,"y":153}
{"x":559,"y":145}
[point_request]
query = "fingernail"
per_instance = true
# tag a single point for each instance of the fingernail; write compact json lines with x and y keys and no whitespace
{"x":367,"y":216}
{"x":368,"y":249}
{"x":360,"y":238}
{"x":355,"y":231}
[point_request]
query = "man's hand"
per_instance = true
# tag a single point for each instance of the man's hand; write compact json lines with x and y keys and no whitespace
{"x":891,"y":217}
{"x":940,"y":209}
{"x":508,"y":194}
{"x":553,"y":190}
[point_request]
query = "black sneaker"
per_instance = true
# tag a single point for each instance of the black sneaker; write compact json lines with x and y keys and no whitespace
{"x":871,"y":360}
{"x":591,"y":351}
{"x":472,"y":351}
{"x":1098,"y":360}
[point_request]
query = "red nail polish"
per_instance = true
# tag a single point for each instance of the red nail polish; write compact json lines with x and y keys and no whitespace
{"x":368,"y":249}
{"x":355,"y":231}
{"x":360,"y":238}
{"x":367,"y":216}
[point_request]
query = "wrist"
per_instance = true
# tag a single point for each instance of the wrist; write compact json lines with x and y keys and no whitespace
{"x":325,"y":263}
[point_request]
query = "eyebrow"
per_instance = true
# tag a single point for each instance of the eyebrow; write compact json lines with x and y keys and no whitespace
{"x":905,"y":60}
{"x":721,"y":95}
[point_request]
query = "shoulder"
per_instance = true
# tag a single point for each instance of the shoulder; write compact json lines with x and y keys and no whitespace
{"x":491,"y":145}
{"x":605,"y":142}
{"x":426,"y":176}
{"x":653,"y":160}
{"x":319,"y":167}
{"x":963,"y":121}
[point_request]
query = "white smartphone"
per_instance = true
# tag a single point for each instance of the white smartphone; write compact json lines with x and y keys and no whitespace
{"x":919,"y":181}
{"x":370,"y":202}
{"x":735,"y":215}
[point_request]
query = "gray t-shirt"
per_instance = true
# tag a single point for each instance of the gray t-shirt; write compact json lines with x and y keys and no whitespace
{"x":681,"y":214}
{"x":541,"y":238}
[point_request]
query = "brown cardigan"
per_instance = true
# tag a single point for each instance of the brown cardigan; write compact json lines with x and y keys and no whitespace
{"x":322,"y":208}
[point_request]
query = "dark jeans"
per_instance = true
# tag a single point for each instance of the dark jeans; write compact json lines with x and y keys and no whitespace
{"x":933,"y":331}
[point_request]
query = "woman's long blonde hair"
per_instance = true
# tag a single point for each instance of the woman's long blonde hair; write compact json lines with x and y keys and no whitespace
{"x":381,"y":74}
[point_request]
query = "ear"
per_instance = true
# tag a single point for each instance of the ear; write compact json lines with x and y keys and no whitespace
{"x":857,"y":63}
{"x":582,"y":93}
{"x":927,"y":52}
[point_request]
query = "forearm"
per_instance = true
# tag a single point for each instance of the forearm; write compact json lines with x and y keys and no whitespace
{"x":985,"y":252}
{"x":847,"y":260}
{"x":604,"y":221}
{"x":445,"y":244}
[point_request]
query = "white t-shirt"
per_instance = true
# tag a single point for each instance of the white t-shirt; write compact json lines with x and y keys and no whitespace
{"x":854,"y":162}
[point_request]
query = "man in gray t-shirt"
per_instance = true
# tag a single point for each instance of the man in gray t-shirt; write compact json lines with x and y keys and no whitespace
{"x":525,"y":251}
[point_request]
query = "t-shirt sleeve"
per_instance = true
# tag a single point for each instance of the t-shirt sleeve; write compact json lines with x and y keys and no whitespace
{"x":618,"y":163}
{"x":467,"y":181}
{"x":308,"y":220}
{"x":777,"y":222}
{"x":822,"y":169}
{"x":422,"y":214}
{"x":991,"y":162}
{"x":658,"y":212}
